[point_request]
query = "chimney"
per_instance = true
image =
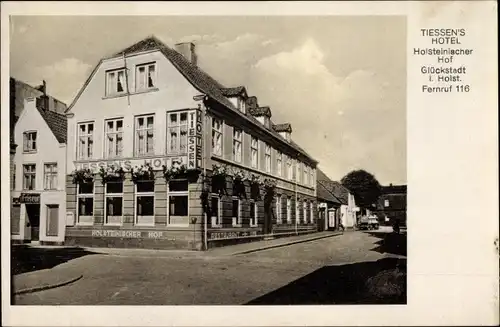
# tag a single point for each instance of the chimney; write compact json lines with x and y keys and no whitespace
{"x":187,"y":49}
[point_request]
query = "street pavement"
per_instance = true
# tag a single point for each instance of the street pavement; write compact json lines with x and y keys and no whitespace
{"x":331,"y":270}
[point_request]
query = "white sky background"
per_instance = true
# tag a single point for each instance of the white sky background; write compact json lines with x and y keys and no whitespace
{"x":339,"y":80}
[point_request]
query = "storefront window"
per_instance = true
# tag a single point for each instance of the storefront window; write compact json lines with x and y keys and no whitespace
{"x":215,"y":211}
{"x":311,"y":212}
{"x":178,"y":202}
{"x":253,"y":214}
{"x":85,"y":203}
{"x":114,"y":202}
{"x":236,"y":212}
{"x":278,"y":210}
{"x":145,"y":202}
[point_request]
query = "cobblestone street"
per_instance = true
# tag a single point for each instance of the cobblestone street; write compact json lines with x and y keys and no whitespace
{"x":329,"y":270}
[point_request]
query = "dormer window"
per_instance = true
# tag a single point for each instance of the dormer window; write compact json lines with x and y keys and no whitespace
{"x":145,"y":77}
{"x":266,"y":122}
{"x":115,"y":82}
{"x":241,"y":105}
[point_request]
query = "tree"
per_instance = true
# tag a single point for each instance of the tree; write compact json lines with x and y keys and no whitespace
{"x":364,"y":186}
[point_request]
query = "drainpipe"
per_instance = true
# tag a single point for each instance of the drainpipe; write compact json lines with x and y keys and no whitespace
{"x":296,"y":199}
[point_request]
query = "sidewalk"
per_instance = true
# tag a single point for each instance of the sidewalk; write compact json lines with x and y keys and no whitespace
{"x":245,"y":248}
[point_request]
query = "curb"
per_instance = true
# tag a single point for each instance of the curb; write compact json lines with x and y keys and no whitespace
{"x":286,"y":244}
{"x":46,"y":287}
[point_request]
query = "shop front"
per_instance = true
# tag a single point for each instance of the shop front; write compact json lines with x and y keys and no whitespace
{"x":37,"y":217}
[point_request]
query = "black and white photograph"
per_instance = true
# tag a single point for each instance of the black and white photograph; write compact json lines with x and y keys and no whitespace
{"x":260,"y":159}
{"x":196,"y":164}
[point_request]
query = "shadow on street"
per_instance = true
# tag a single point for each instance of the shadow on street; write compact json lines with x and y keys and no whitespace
{"x":392,"y":243}
{"x":26,"y":259}
{"x":379,"y":282}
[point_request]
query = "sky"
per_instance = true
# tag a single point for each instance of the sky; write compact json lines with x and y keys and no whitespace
{"x":340,"y":81}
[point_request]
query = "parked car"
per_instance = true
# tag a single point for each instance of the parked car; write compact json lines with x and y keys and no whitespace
{"x":368,"y":223}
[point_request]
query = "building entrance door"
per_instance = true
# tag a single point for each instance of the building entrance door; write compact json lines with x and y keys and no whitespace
{"x":331,"y":219}
{"x":33,"y":215}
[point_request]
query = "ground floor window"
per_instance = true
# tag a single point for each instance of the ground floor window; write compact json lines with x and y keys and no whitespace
{"x":178,"y":202}
{"x":215,"y":211}
{"x":288,"y":210}
{"x":15,"y":219}
{"x":297,"y":212}
{"x":254,"y":220}
{"x":85,"y":200}
{"x":144,"y":202}
{"x":278,"y":210}
{"x":304,"y":213}
{"x":114,"y":202}
{"x":236,"y":212}
{"x":311,"y":212}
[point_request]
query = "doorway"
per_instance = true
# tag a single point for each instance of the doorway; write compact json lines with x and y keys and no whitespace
{"x":33,"y":215}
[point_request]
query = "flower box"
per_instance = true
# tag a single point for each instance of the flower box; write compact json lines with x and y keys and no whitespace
{"x":143,"y":173}
{"x":83,"y":175}
{"x":111,"y":173}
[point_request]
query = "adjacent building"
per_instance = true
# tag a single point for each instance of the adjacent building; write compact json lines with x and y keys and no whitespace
{"x":38,"y":175}
{"x":162,"y":155}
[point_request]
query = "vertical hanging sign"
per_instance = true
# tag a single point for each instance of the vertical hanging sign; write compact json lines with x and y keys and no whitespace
{"x":199,"y":135}
{"x":195,"y":131}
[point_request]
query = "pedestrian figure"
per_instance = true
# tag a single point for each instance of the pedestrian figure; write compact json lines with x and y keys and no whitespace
{"x":395,"y":227}
{"x":341,"y":227}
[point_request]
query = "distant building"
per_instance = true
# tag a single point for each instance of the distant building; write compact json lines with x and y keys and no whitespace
{"x":347,"y":212}
{"x":328,"y":204}
{"x":392,"y":203}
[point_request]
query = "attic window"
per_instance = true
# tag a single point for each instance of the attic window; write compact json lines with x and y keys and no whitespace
{"x":116,"y":82}
{"x":266,"y":121}
{"x":241,"y":105}
{"x":145,"y":77}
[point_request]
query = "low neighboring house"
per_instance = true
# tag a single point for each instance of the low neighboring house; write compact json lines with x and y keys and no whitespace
{"x":38,"y":197}
{"x":347,"y":211}
{"x":392,"y":203}
{"x":328,"y":204}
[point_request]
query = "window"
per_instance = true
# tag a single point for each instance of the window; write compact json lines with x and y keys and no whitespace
{"x":85,"y":203}
{"x":29,"y":141}
{"x":386,"y":203}
{"x":217,"y":136}
{"x":177,"y":133}
{"x":241,"y":105}
{"x":254,"y":149}
{"x":13,"y":186}
{"x":266,"y":121}
{"x":299,"y":172}
{"x":50,"y":176}
{"x":304,"y":211}
{"x":29,"y":172}
{"x":306,"y":175}
{"x":279,"y":163}
{"x":144,"y":135}
{"x":236,"y":212}
{"x":289,"y":168}
{"x":288,"y":210}
{"x":145,"y":77}
{"x":267,"y":158}
{"x":253,"y":214}
{"x":85,"y":140}
{"x":279,"y":217}
{"x":311,"y":178}
{"x":215,"y":211}
{"x":237,"y":135}
{"x":114,"y":202}
{"x":178,"y":202}
{"x":115,"y":82}
{"x":144,"y":201}
{"x":297,"y":211}
{"x":114,"y":138}
{"x":311,"y":212}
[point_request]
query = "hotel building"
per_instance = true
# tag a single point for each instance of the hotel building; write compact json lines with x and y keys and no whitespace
{"x":161,"y":155}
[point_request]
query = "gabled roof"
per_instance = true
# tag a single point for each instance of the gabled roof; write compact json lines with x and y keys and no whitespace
{"x":260,"y":111}
{"x":57,"y":123}
{"x":233,"y":91}
{"x":335,"y":188}
{"x":203,"y":82}
{"x":324,"y":194}
{"x":283,"y":127}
